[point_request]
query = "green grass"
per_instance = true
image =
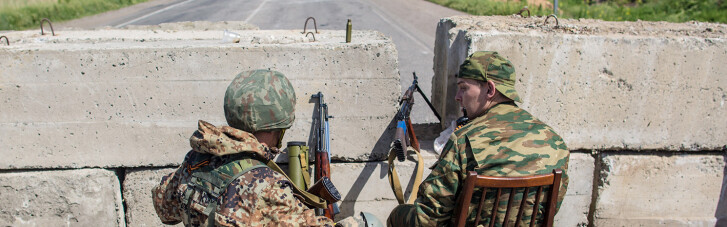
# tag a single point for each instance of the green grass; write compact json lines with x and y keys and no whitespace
{"x":20,"y":15}
{"x":614,"y":10}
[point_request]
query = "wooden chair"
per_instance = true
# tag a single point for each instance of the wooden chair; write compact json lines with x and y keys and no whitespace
{"x":473,"y":180}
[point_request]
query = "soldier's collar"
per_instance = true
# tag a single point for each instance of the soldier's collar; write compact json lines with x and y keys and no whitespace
{"x":511,"y":103}
{"x":270,"y":152}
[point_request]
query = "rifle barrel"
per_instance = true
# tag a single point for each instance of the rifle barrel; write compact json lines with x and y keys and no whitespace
{"x":415,"y":84}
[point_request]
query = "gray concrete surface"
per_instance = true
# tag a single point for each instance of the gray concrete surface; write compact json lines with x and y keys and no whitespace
{"x":575,"y":209}
{"x":721,"y":213}
{"x":659,"y":189}
{"x":137,"y":196}
{"x":87,"y":197}
{"x":92,"y":99}
{"x":409,"y":23}
{"x":667,"y":92}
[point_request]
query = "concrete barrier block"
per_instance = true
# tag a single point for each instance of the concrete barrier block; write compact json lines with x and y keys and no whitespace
{"x":722,"y":206}
{"x":369,"y":181}
{"x":139,"y":93}
{"x":578,"y":79}
{"x":86,"y":197}
{"x":137,"y":195}
{"x":659,"y":189}
{"x":576,"y":205}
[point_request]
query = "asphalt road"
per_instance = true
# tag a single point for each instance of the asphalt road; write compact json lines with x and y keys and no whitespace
{"x":410,"y":23}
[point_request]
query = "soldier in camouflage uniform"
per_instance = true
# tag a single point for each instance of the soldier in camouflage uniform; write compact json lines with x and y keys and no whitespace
{"x":224,"y":180}
{"x":500,"y":139}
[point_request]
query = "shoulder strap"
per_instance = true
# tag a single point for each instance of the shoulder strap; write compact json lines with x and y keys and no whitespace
{"x":215,"y":181}
{"x":308,"y":198}
{"x":396,"y":184}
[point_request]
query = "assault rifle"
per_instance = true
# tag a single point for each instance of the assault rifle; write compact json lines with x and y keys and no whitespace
{"x":323,"y":183}
{"x":405,"y":135}
{"x":404,"y":138}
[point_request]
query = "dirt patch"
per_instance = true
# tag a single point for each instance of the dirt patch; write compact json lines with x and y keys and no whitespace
{"x":517,"y":23}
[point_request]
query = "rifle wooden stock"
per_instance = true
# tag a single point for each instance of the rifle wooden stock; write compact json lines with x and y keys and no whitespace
{"x":323,"y":166}
{"x":412,"y":137}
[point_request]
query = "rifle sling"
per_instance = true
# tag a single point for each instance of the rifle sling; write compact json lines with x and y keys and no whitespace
{"x":308,"y":198}
{"x":394,"y":178}
{"x":304,"y":169}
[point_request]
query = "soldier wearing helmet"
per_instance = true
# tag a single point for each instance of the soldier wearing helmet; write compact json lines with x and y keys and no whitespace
{"x":500,"y":139}
{"x":225,"y":180}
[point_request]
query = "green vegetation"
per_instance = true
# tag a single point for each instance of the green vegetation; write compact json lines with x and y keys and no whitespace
{"x":610,"y":10}
{"x":24,"y":14}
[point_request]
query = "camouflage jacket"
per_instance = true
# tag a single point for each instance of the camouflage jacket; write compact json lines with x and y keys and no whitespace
{"x":258,"y":197}
{"x":505,"y":141}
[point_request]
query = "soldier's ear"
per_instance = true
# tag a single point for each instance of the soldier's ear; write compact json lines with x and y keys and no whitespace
{"x":491,"y":90}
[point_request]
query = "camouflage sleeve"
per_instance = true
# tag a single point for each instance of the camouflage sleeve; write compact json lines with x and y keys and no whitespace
{"x":264,"y":197}
{"x":164,"y":198}
{"x":436,"y":199}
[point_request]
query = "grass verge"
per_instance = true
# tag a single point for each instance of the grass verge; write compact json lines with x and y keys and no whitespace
{"x":13,"y":17}
{"x":648,"y":10}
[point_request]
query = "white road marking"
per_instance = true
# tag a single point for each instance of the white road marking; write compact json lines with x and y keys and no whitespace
{"x":254,"y":12}
{"x":152,"y":14}
{"x":417,"y":41}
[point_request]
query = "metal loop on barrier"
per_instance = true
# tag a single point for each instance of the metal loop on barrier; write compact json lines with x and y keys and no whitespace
{"x":553,"y":16}
{"x":524,"y":9}
{"x":49,"y":23}
{"x":6,"y":40}
{"x":311,"y":33}
{"x":306,"y":25}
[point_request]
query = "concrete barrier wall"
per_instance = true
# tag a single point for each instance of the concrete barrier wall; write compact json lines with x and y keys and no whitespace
{"x":128,"y":100}
{"x":638,"y":95}
{"x":95,"y":98}
{"x":653,"y":190}
{"x":654,"y":86}
{"x":86,"y":197}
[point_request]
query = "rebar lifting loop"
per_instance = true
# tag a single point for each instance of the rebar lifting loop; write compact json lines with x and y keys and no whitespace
{"x":524,"y":9}
{"x":6,"y":40}
{"x":553,"y":16}
{"x":306,"y":25}
{"x":49,"y":23}
{"x":311,"y":33}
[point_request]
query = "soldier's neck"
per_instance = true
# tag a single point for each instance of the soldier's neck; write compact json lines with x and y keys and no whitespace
{"x":269,"y":138}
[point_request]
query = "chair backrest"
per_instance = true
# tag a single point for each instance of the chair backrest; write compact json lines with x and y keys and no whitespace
{"x":513,"y":183}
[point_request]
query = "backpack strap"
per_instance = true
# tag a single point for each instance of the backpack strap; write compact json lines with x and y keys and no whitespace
{"x":214,"y":181}
{"x":211,"y":208}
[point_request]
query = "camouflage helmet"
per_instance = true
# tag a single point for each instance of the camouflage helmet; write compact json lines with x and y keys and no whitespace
{"x":260,"y":100}
{"x":488,"y":65}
